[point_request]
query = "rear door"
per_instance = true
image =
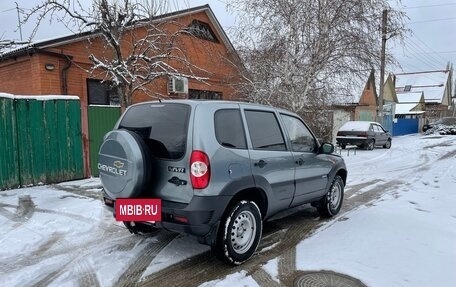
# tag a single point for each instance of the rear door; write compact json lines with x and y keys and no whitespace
{"x":311,"y":168}
{"x":164,"y":127}
{"x":271,"y":162}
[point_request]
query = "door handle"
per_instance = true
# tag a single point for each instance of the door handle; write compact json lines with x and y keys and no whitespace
{"x":299,"y":161}
{"x":260,"y":164}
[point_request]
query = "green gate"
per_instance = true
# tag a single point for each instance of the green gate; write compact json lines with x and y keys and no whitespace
{"x":101,"y":120}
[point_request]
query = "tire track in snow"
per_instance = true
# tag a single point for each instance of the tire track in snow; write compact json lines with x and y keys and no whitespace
{"x":140,"y":264}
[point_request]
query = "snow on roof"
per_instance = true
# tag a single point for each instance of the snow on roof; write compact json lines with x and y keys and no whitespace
{"x":409,"y":97}
{"x":38,"y":97}
{"x":355,"y":126}
{"x":406,"y":109}
{"x":432,"y":83}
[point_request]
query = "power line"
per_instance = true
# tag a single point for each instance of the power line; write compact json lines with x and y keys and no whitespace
{"x":433,"y":20}
{"x":427,"y":6}
{"x":411,"y":50}
{"x":8,"y":10}
{"x":441,"y":52}
{"x":424,"y":43}
{"x":431,"y":57}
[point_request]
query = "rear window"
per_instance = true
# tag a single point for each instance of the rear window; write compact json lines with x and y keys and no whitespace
{"x":162,"y":126}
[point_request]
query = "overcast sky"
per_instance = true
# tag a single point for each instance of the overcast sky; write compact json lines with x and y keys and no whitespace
{"x":430,"y":46}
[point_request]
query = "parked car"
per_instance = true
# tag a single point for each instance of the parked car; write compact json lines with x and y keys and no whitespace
{"x":363,"y":134}
{"x":220,"y":169}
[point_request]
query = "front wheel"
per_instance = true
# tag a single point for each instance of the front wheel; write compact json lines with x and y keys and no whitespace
{"x":387,"y":144}
{"x":239,"y":233}
{"x":331,"y":203}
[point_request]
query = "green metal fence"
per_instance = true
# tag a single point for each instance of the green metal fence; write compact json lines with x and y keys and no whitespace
{"x":9,"y":164}
{"x":101,"y":120}
{"x":41,"y":141}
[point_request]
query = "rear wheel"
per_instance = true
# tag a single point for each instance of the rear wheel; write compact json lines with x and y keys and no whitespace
{"x":387,"y":144}
{"x":331,"y":203}
{"x":370,"y":145}
{"x":239,"y":233}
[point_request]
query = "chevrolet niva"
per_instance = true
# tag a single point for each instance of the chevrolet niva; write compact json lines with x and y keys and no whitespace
{"x":220,"y":169}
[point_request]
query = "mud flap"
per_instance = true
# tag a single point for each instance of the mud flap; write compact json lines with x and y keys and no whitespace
{"x":211,"y":237}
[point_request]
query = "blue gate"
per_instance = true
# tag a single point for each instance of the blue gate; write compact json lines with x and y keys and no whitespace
{"x":405,"y":127}
{"x":388,"y":123}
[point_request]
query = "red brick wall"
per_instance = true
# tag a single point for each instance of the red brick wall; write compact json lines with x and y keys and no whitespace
{"x":27,"y":74}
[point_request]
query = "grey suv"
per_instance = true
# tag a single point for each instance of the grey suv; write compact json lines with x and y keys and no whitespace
{"x":220,"y":169}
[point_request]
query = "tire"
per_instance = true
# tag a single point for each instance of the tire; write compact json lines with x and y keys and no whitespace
{"x":239,"y":233}
{"x":331,"y":203}
{"x":369,"y":145}
{"x":387,"y":144}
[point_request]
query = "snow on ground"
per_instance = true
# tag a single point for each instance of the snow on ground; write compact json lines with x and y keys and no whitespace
{"x":60,"y":235}
{"x":407,"y":236}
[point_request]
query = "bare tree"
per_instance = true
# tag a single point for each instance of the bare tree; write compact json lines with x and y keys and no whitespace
{"x":302,"y":54}
{"x":138,"y":46}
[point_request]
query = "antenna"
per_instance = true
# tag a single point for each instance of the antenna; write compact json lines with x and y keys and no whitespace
{"x":19,"y":20}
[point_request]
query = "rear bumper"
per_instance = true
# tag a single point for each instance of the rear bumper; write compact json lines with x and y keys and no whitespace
{"x":197,"y":217}
{"x":351,"y":140}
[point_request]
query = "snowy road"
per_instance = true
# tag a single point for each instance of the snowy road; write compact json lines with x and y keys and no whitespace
{"x":397,"y":228}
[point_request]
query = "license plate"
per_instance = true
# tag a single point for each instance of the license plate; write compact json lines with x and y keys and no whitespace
{"x":138,"y":209}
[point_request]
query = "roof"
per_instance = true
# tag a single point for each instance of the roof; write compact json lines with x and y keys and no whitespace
{"x":356,"y":126}
{"x":431,"y":83}
{"x":60,"y":40}
{"x":406,"y":109}
{"x":409,"y":97}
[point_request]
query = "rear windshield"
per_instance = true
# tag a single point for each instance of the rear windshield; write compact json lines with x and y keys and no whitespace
{"x":162,"y":126}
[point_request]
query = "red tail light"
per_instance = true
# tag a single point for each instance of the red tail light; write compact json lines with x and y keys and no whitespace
{"x":200,"y":169}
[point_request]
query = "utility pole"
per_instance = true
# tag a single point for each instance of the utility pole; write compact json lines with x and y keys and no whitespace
{"x":382,"y":67}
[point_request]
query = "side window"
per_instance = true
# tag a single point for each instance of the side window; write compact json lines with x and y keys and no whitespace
{"x":377,"y":129}
{"x":229,"y":130}
{"x":265,"y":131}
{"x":300,"y":136}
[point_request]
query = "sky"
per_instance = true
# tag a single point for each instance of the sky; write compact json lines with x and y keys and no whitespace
{"x":429,"y":46}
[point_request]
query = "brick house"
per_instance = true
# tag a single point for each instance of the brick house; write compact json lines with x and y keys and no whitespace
{"x":59,"y":67}
{"x":366,"y":110}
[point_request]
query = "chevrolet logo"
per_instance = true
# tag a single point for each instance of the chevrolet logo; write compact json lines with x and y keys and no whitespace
{"x":118,"y":164}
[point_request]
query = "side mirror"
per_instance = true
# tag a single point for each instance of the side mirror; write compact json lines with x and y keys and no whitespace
{"x":326,"y":148}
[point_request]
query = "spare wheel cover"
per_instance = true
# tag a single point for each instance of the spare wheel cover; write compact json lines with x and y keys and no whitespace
{"x":122,"y":164}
